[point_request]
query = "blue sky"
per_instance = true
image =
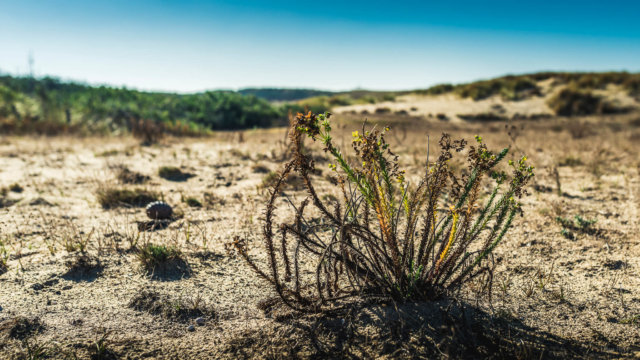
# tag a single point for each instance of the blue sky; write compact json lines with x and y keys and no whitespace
{"x":190,"y":45}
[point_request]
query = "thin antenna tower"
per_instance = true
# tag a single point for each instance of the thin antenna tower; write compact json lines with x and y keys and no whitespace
{"x":31,"y":64}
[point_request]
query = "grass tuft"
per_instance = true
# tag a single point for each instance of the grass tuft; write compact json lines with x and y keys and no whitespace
{"x":110,"y":197}
{"x":162,"y":261}
{"x":127,"y":176}
{"x":173,"y":173}
{"x":182,"y":308}
{"x":193,"y":202}
{"x":4,"y":258}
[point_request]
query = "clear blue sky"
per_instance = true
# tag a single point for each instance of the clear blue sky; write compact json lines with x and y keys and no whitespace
{"x":191,"y":45}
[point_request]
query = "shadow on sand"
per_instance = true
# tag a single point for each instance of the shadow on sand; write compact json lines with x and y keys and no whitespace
{"x":433,"y":330}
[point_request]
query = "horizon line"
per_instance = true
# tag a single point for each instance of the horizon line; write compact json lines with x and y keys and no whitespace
{"x":66,"y":80}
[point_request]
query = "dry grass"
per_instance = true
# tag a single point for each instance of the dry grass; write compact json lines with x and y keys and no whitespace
{"x":109,"y":197}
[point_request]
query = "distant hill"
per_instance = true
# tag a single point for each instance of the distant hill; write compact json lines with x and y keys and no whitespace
{"x":514,"y":87}
{"x":48,"y":104}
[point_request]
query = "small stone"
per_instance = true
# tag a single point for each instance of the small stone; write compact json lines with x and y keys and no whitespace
{"x":159,"y":210}
{"x":50,"y":282}
{"x":200,"y":321}
{"x":37,"y":287}
{"x":191,"y":328}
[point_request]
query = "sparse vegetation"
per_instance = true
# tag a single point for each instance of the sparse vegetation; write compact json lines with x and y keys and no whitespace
{"x":508,"y":87}
{"x":173,"y":173}
{"x":578,"y":223}
{"x":182,"y":308}
{"x":110,"y":197}
{"x":4,"y":258}
{"x":192,"y":202}
{"x":517,"y":87}
{"x":260,"y":169}
{"x":159,"y":258}
{"x":73,"y":264}
{"x":126,"y":176}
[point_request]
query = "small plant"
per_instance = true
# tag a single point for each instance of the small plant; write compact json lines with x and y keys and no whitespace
{"x":161,"y":259}
{"x":386,"y":237}
{"x":173,"y":173}
{"x":260,"y":169}
{"x":584,"y":224}
{"x":578,"y":223}
{"x":76,"y":240}
{"x":4,"y":258}
{"x":110,"y":197}
{"x":567,"y":234}
{"x":181,"y":308}
{"x":126,"y":176}
{"x":35,"y":350}
{"x":100,"y":349}
{"x":634,"y":320}
{"x":211,"y":200}
{"x":556,"y":176}
{"x":192,"y":202}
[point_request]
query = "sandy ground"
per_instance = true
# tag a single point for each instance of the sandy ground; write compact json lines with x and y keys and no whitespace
{"x":552,"y":296}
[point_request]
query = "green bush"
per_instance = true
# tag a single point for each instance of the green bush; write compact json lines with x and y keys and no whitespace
{"x":572,"y":102}
{"x":509,"y":88}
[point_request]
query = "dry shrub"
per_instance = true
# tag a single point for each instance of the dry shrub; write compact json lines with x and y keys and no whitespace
{"x":571,"y":102}
{"x":385,"y":237}
{"x":148,"y":131}
{"x":127,"y":176}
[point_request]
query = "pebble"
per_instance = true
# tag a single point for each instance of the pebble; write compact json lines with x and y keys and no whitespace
{"x":37,"y":287}
{"x":159,"y":210}
{"x":191,"y":328}
{"x":200,"y":321}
